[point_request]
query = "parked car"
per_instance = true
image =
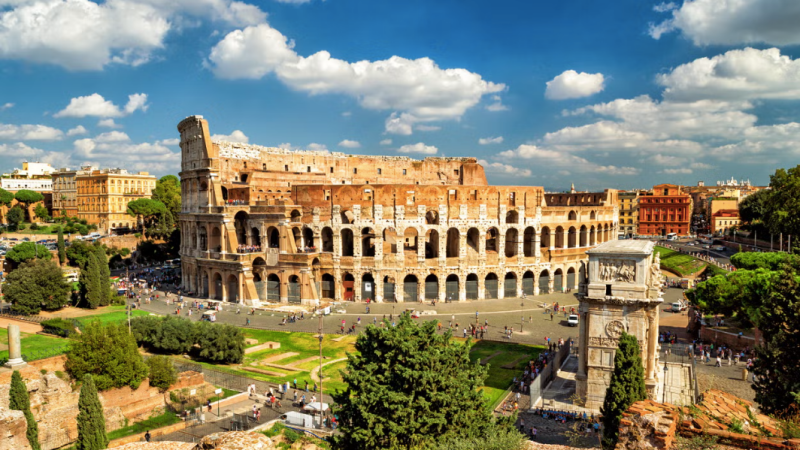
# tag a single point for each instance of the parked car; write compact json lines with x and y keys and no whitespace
{"x":678,"y":307}
{"x":572,"y":320}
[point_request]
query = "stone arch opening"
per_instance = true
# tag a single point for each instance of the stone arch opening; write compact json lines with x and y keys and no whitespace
{"x":410,"y":239}
{"x":572,"y":216}
{"x":368,"y":242}
{"x":432,"y":217}
{"x":431,"y":287}
{"x":572,"y":238}
{"x":367,"y":287}
{"x":347,"y":217}
{"x":233,"y":288}
{"x":545,"y":238}
{"x":389,"y":289}
{"x":215,"y":243}
{"x":473,"y":242}
{"x":293,"y":289}
{"x":592,"y":236}
{"x":558,"y":281}
{"x":216,"y":281}
{"x":201,"y":233}
{"x":529,"y":242}
{"x":592,"y":216}
{"x":308,"y":237}
{"x":347,"y":242}
{"x":327,"y":240}
{"x":527,"y":283}
{"x":327,"y":286}
{"x":451,"y":287}
{"x":255,"y":237}
{"x":570,"y":278}
{"x":544,"y":282}
{"x":273,"y":237}
{"x":583,"y":238}
{"x":389,"y":241}
{"x":491,"y":240}
{"x":432,"y":244}
{"x":490,"y":286}
{"x":295,"y":215}
{"x":512,"y":242}
{"x":224,"y":193}
{"x":510,"y":285}
{"x":512,"y":217}
{"x":560,"y":237}
{"x":453,"y":243}
{"x":471,"y":286}
{"x":410,"y":286}
{"x":240,"y":224}
{"x":297,"y":234}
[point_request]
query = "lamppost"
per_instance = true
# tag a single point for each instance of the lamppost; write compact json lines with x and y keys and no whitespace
{"x":521,"y":312}
{"x":665,"y":382}
{"x":321,"y":399}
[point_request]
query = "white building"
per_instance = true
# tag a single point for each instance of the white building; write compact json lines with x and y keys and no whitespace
{"x":38,"y":185}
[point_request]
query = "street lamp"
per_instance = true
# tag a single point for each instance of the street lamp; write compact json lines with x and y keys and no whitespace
{"x":664,"y":400}
{"x":321,"y":399}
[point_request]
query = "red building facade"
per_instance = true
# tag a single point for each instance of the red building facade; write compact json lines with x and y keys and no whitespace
{"x":666,"y":210}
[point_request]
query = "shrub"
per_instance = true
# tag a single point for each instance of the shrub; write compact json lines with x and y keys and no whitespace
{"x":34,"y":226}
{"x":109,"y":353}
{"x":162,"y":373}
{"x":216,"y":343}
{"x":291,"y":435}
{"x":58,"y":326}
{"x":125,"y":251}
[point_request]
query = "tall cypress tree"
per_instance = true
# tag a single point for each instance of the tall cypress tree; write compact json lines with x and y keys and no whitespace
{"x":626,"y":387}
{"x":62,"y":250}
{"x":90,"y":282}
{"x":104,"y":280}
{"x":91,"y":422}
{"x":18,"y":400}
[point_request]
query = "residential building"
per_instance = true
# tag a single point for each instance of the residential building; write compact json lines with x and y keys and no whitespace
{"x":103,"y":196}
{"x":65,"y":191}
{"x":265,"y":224}
{"x":722,"y":221}
{"x":664,"y":210}
{"x":628,"y":213}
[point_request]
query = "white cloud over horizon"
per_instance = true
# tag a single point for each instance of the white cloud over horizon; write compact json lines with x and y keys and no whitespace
{"x":571,"y":84}
{"x":95,"y":105}
{"x":347,"y":143}
{"x":490,"y":140}
{"x":419,"y":148}
{"x":235,"y":136}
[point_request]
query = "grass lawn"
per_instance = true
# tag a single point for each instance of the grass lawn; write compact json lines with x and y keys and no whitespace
{"x":163,"y":420}
{"x":225,"y":394}
{"x":34,"y":344}
{"x":306,"y":345}
{"x":499,"y":378}
{"x":113,"y":316}
{"x":679,"y":263}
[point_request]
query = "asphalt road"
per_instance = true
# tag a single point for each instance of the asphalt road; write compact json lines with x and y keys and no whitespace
{"x":721,"y":256}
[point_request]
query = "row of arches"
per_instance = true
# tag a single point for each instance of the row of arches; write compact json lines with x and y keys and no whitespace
{"x":432,"y":217}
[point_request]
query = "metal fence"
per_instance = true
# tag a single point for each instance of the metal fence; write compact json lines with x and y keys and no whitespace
{"x":34,"y":355}
{"x":547,"y":374}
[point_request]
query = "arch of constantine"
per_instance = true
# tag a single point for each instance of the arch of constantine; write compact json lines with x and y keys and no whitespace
{"x":263,"y":224}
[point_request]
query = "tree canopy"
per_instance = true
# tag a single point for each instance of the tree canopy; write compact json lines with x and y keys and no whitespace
{"x":109,"y":353}
{"x":28,"y":197}
{"x":27,"y":251}
{"x":36,"y":285}
{"x":91,"y":421}
{"x":146,"y":210}
{"x":409,"y":387}
{"x":15,"y":216}
{"x":625,"y":388}
{"x":41,"y":212}
{"x":765,"y":295}
{"x":168,"y":192}
{"x":6,"y":197}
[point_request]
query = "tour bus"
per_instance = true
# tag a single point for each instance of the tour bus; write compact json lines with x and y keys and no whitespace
{"x":672,"y":237}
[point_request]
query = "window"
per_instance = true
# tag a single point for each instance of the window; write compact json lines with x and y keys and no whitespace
{"x":327,"y":194}
{"x":263,"y":167}
{"x":473,"y":195}
{"x":455,"y":171}
{"x":608,"y":289}
{"x":379,"y":171}
{"x":355,"y":170}
{"x":331,"y":169}
{"x":286,"y":168}
{"x":404,"y":171}
{"x":308,"y":169}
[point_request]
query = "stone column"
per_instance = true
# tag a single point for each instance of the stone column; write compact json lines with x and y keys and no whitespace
{"x":537,"y":246}
{"x":552,"y":240}
{"x":652,"y":338}
{"x":14,"y":348}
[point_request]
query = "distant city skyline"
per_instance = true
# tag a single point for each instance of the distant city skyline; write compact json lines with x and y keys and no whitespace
{"x":622,"y":95}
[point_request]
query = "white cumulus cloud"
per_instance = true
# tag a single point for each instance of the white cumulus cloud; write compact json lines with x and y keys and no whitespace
{"x":6,"y":106}
{"x":490,"y":140}
{"x":415,"y":90}
{"x":419,"y":147}
{"x":29,"y":133}
{"x":555,"y":160}
{"x":87,"y":35}
{"x":97,"y":106}
{"x":108,"y":123}
{"x":679,"y":171}
{"x":236,"y":136}
{"x":386,"y":142}
{"x":504,"y":169}
{"x":347,"y":143}
{"x":732,"y":22}
{"x":571,"y":84}
{"x":77,"y":131}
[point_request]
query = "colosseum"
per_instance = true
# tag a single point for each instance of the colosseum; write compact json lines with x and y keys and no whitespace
{"x":263,"y":224}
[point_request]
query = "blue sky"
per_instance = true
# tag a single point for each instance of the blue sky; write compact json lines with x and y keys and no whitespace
{"x":621,"y":94}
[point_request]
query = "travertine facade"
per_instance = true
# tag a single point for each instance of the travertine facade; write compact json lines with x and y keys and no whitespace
{"x":267,"y":224}
{"x":622,"y":293}
{"x":103,"y":196}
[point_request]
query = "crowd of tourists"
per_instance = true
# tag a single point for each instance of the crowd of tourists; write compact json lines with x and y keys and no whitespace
{"x":248,"y":249}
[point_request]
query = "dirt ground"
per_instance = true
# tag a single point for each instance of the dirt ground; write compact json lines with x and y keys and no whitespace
{"x":25,"y":327}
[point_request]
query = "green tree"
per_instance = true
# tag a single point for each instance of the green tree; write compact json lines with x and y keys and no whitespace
{"x":36,"y":285}
{"x":41,"y":212}
{"x":78,"y":253}
{"x":90,"y":282}
{"x":104,"y":279}
{"x":145,"y":210}
{"x":15,"y":216}
{"x":162,"y":372}
{"x":409,"y":387}
{"x":20,"y":401}
{"x":168,"y":192}
{"x":27,"y":198}
{"x":6,"y":197}
{"x":62,"y":251}
{"x":109,"y":353}
{"x":626,"y":387}
{"x":91,"y":421}
{"x":27,"y":251}
{"x":784,"y":202}
{"x":219,"y":343}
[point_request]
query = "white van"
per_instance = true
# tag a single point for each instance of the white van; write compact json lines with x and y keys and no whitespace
{"x":677,"y":307}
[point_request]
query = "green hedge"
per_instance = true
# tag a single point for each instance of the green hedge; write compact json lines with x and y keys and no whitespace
{"x":58,"y":326}
{"x":217,"y":343}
